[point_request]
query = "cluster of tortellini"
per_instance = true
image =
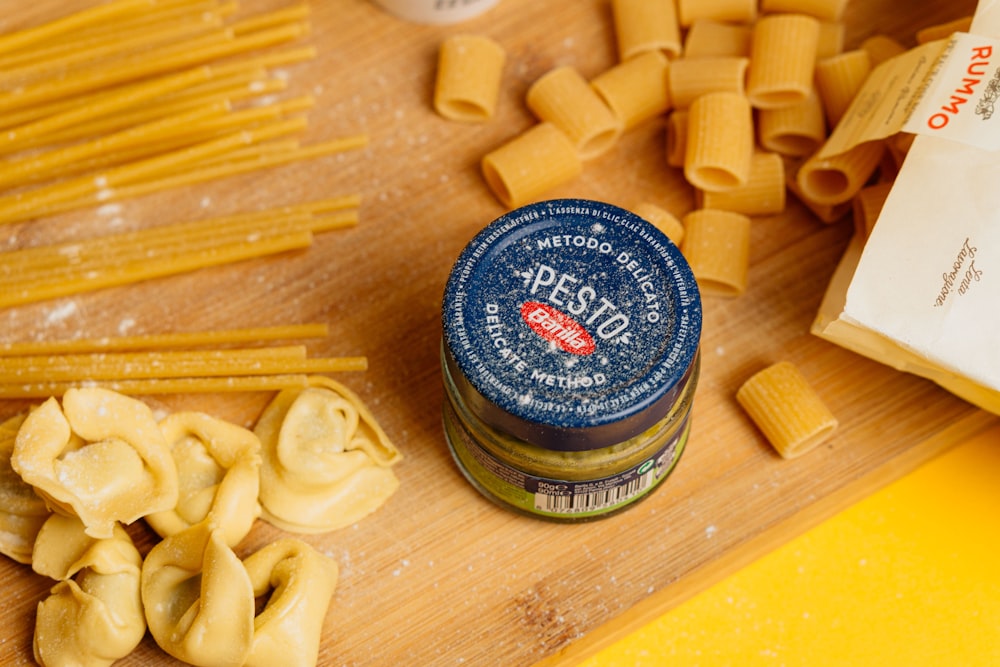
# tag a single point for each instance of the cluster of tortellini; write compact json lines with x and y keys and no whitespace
{"x":72,"y":474}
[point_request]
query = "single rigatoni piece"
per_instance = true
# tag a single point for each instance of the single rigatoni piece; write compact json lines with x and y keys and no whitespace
{"x":763,"y":194}
{"x":716,"y":39}
{"x":786,"y":409}
{"x":831,"y":39}
{"x":563,"y":98}
{"x":731,"y":11}
{"x":470,"y":68}
{"x":824,"y":10}
{"x":795,"y":131}
{"x":881,"y":47}
{"x":690,"y":79}
{"x":898,"y":145}
{"x":646,"y":25}
{"x":836,"y":179}
{"x":635,"y":90}
{"x":676,"y":137}
{"x":782,"y":60}
{"x":530,"y":164}
{"x":827,"y":213}
{"x":717,"y":247}
{"x":838,"y":80}
{"x":662,"y":219}
{"x":888,"y":168}
{"x":867,"y":205}
{"x":943,"y":30}
{"x":720,"y":142}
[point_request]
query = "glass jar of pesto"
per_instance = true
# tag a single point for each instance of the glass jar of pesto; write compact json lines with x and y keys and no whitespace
{"x":570,"y":359}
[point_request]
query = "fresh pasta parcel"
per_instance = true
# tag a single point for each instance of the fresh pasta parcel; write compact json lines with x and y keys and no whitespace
{"x":100,"y":456}
{"x":326,"y":461}
{"x":22,"y":511}
{"x":298,"y":583}
{"x":198,"y":598}
{"x":218,"y":468}
{"x":93,"y":616}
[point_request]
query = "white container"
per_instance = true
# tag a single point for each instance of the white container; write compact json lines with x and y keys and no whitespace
{"x":436,"y":11}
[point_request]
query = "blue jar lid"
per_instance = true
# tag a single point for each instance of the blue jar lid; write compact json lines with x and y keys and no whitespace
{"x":571,"y":324}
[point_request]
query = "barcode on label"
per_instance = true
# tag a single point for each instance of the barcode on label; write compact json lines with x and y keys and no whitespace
{"x":596,"y":500}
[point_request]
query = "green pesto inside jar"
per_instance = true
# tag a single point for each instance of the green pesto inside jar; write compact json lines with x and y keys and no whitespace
{"x":565,"y":485}
{"x":570,"y":359}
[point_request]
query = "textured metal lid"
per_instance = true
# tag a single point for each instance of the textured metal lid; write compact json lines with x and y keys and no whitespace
{"x":571,"y":324}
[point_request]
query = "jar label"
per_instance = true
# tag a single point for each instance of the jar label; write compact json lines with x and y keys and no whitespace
{"x":563,"y":499}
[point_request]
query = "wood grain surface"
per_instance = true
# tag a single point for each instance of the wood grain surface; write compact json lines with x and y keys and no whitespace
{"x":439,"y":576}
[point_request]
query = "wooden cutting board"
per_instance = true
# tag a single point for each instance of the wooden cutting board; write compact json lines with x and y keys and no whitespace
{"x":439,"y":576}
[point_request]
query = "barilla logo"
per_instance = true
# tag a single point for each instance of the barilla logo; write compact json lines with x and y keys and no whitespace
{"x":972,"y":76}
{"x":558,"y":327}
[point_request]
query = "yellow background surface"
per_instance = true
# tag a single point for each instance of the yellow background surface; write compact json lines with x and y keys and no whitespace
{"x":907,"y":576}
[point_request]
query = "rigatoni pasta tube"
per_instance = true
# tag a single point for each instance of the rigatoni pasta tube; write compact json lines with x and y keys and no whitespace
{"x":689,"y":79}
{"x":635,"y":90}
{"x":898,"y":145}
{"x":943,"y":30}
{"x":831,"y":39}
{"x":716,"y":39}
{"x":786,"y":409}
{"x":825,"y":10}
{"x":646,"y":25}
{"x":838,"y":80}
{"x":720,"y":142}
{"x":732,"y":11}
{"x":880,"y":48}
{"x":470,"y":68}
{"x":836,"y":179}
{"x":676,"y":137}
{"x":828,"y":213}
{"x":662,"y":219}
{"x":565,"y":99}
{"x":796,"y":131}
{"x":782,"y":59}
{"x":867,"y":205}
{"x":717,"y":247}
{"x":764,"y":193}
{"x":531,"y":163}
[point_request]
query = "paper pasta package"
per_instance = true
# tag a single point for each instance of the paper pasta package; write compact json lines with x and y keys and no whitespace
{"x":920,"y":293}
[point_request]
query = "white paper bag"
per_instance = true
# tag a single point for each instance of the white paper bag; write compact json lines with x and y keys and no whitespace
{"x":923,"y":293}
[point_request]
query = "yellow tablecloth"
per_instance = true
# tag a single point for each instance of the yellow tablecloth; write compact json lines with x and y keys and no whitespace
{"x":908,"y":576}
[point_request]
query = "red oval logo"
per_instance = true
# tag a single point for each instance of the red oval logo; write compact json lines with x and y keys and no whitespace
{"x":558,"y":327}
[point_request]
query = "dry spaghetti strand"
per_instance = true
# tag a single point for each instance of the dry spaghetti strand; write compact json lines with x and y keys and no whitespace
{"x":166,"y":341}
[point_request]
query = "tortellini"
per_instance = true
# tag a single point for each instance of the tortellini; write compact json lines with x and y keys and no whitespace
{"x":101,"y":457}
{"x":218,"y":467}
{"x":22,"y":511}
{"x":72,"y":473}
{"x":94,"y":615}
{"x":326,"y":462}
{"x":198,"y":598}
{"x":300,"y":581}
